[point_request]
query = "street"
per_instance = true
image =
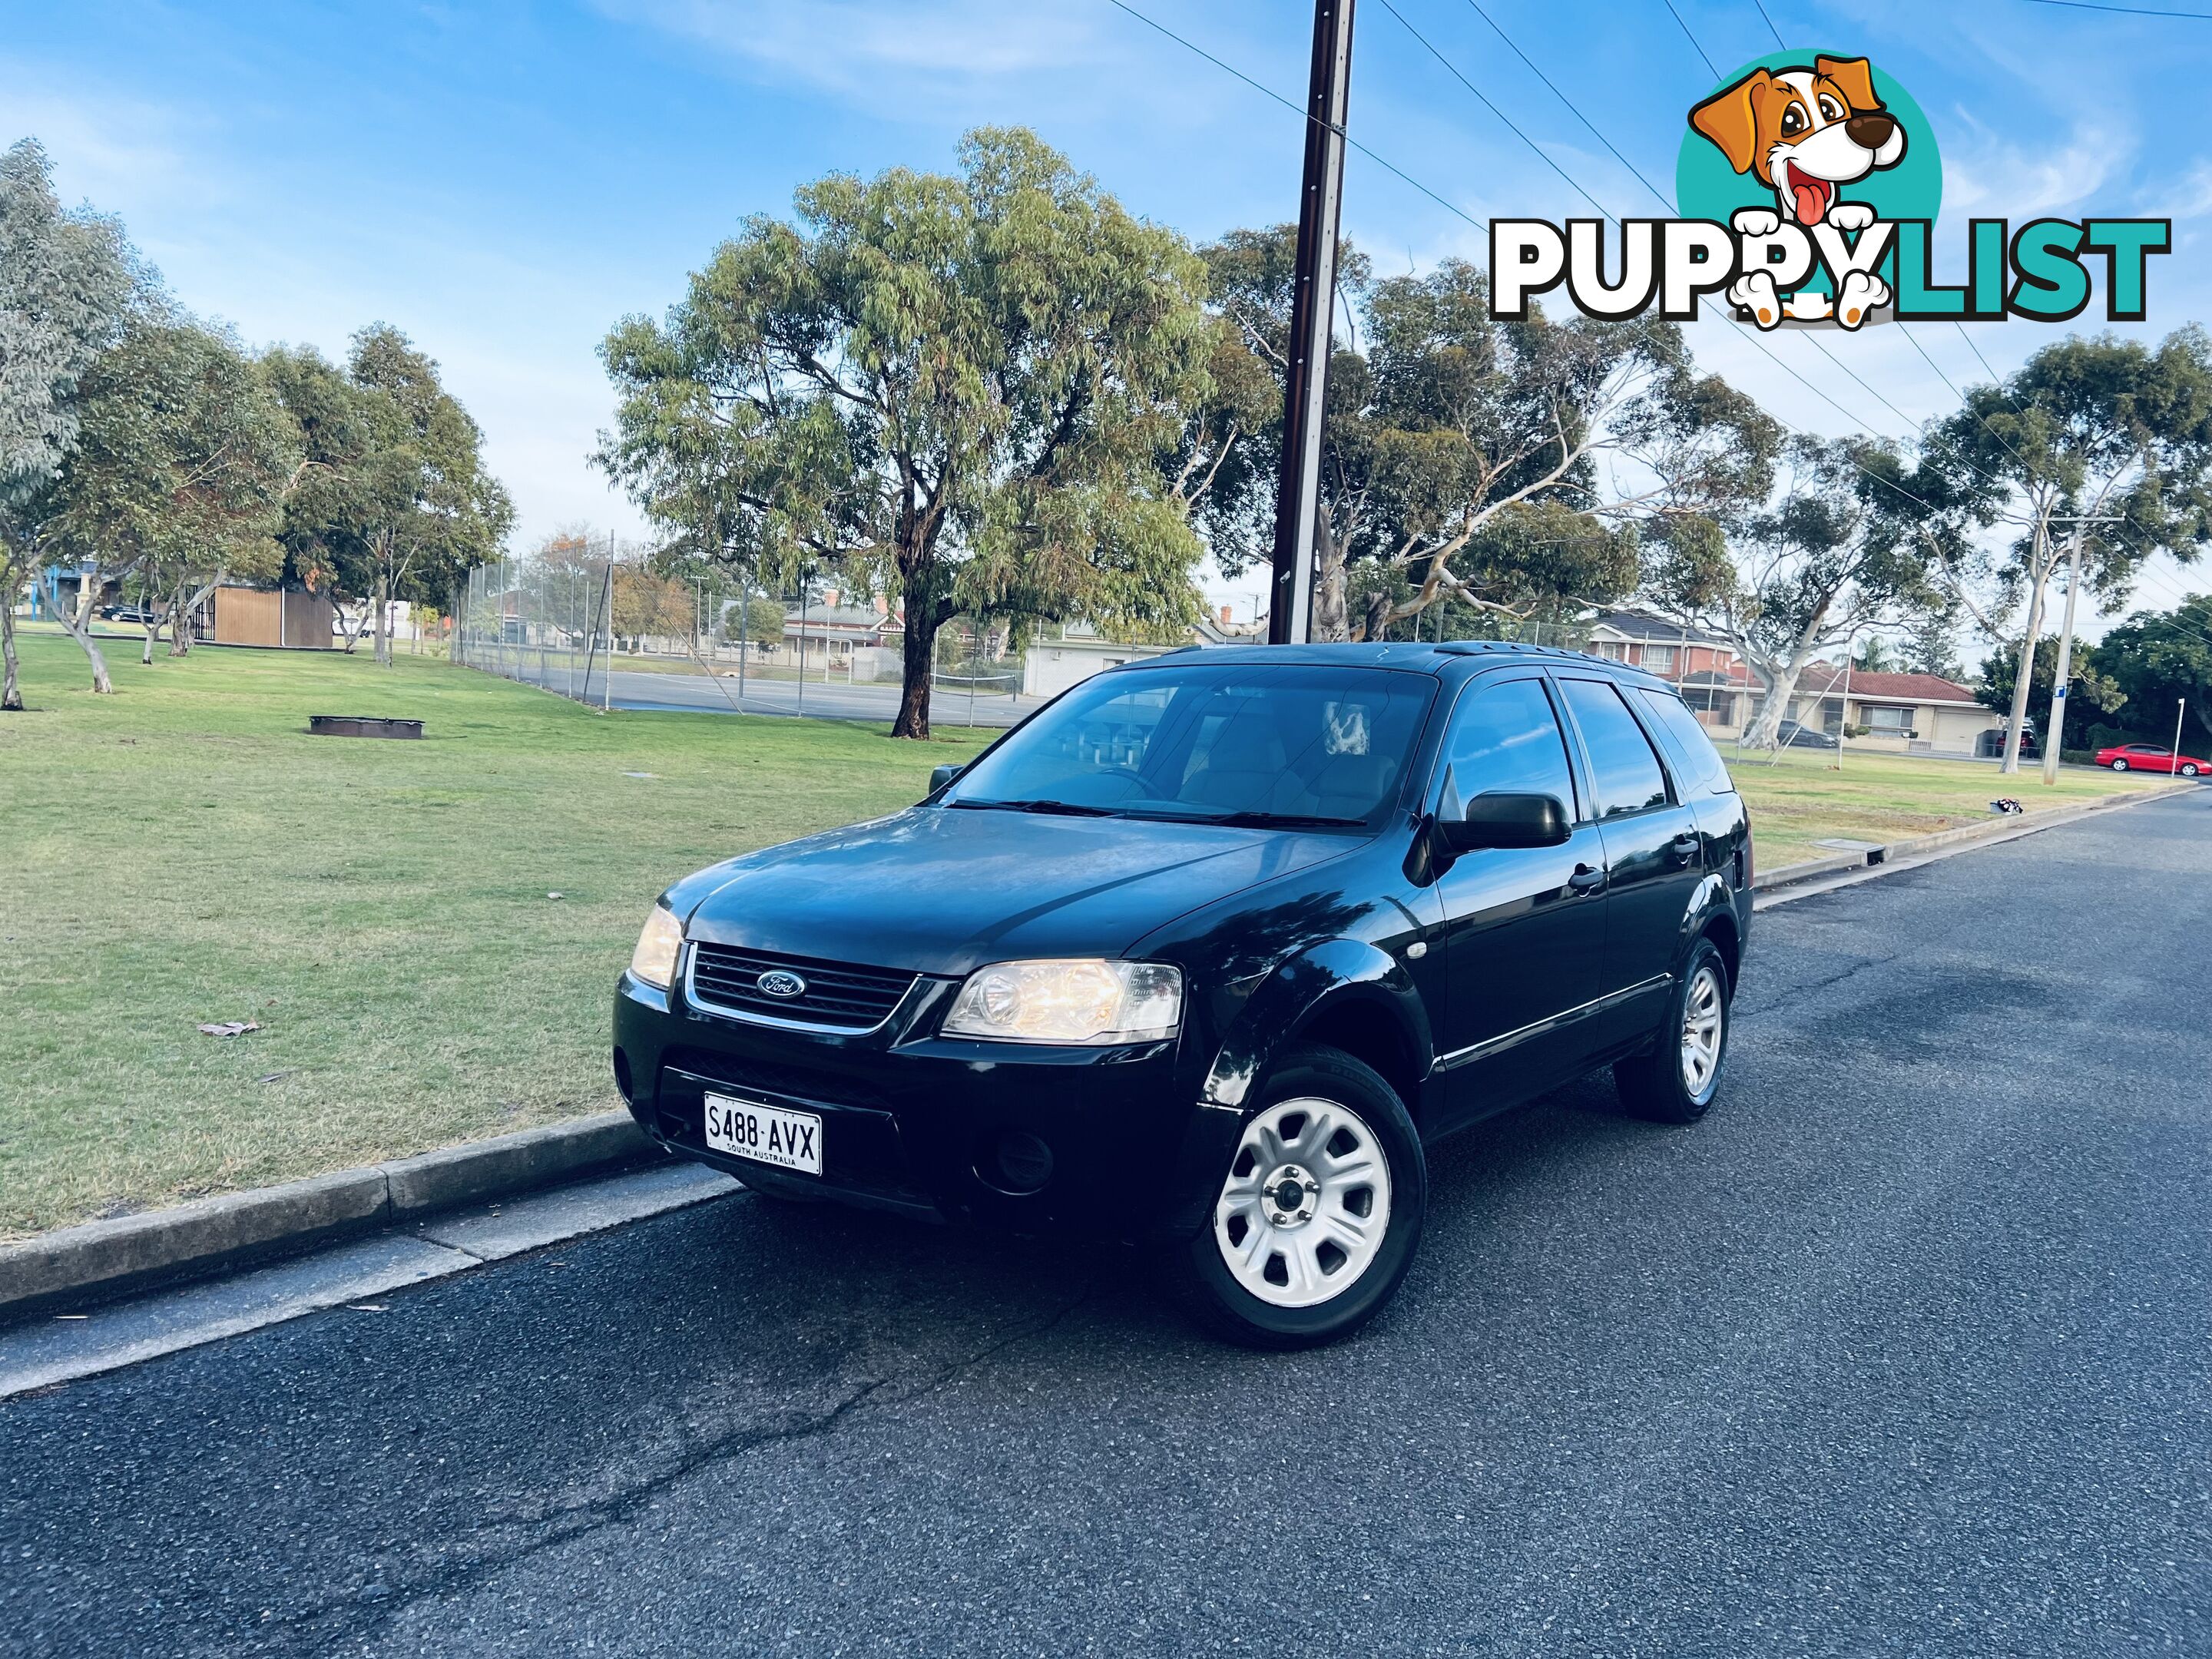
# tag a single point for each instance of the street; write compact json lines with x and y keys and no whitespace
{"x":1907,"y":1349}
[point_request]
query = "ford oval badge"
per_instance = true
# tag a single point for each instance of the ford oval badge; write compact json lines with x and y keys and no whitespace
{"x":782,"y":984}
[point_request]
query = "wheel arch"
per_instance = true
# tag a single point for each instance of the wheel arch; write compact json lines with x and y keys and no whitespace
{"x":1345,"y":993}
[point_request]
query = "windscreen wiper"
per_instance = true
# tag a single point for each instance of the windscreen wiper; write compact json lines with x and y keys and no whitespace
{"x":1058,"y":808}
{"x":1262,"y":820}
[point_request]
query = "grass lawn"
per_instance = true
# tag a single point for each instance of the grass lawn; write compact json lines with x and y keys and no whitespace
{"x":1799,"y":797}
{"x":184,"y":852}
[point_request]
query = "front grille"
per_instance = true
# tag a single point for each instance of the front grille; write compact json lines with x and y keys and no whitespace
{"x":837,"y":994}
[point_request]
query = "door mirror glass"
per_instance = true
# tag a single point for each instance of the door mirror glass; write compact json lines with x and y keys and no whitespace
{"x":1503,"y":819}
{"x":941,"y":775}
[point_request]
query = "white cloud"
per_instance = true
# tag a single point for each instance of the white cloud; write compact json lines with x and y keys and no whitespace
{"x":849,"y":46}
{"x":1996,"y":177}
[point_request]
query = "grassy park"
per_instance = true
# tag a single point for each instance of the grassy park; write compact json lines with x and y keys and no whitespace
{"x":183,"y":852}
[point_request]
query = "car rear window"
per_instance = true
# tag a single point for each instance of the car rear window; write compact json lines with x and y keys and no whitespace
{"x":1196,"y":741}
{"x":1625,"y":767}
{"x":1703,"y":771}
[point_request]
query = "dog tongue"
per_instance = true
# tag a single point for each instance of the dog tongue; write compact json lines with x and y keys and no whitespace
{"x":1812,"y":201}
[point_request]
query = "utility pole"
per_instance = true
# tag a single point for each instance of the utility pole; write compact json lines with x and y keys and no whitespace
{"x":1313,"y":297}
{"x":2173,"y":766}
{"x":2057,"y":734}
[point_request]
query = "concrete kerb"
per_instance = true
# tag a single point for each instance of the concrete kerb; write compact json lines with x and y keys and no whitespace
{"x":102,"y":1258}
{"x":1847,"y":867}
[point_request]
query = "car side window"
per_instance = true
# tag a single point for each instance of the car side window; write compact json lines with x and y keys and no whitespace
{"x":1625,"y":767}
{"x":1703,"y":768}
{"x":1506,"y":737}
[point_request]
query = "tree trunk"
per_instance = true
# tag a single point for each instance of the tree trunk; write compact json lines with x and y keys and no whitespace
{"x":384,"y":621}
{"x":80,"y":630}
{"x":153,"y":626}
{"x":918,"y":652}
{"x":180,"y":629}
{"x":1766,"y":729}
{"x":11,"y":688}
{"x":1329,"y":620}
{"x":2013,"y":727}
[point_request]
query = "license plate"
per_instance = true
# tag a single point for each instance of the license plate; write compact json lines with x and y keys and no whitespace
{"x":766,"y":1135}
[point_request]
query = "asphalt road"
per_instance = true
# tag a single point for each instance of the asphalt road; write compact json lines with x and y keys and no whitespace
{"x":1907,"y":1350}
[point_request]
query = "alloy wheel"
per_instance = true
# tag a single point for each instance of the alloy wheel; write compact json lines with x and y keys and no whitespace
{"x":1704,"y":1014}
{"x":1307,"y":1203}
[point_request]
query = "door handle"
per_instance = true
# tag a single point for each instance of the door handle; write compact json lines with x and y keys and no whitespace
{"x":1585,"y":879}
{"x":1685,"y":845}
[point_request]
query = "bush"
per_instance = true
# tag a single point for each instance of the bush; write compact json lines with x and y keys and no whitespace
{"x":2078,"y":757}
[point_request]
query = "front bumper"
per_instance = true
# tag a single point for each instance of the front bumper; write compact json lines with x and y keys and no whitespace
{"x":919,"y":1123}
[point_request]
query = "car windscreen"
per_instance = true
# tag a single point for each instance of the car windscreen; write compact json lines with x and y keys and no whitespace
{"x":1288,"y":744}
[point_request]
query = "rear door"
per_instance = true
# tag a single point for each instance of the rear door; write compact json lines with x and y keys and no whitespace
{"x":1654,"y":854}
{"x":1524,"y":927}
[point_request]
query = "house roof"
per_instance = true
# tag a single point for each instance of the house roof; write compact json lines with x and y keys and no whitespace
{"x":1822,"y":676}
{"x":1642,"y":625}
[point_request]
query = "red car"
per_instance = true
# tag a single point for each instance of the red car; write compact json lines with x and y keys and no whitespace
{"x":2150,"y":757}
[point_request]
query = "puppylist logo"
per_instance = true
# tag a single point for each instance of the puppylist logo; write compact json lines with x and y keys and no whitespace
{"x":1809,"y":187}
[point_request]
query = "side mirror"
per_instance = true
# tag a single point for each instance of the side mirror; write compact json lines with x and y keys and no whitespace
{"x":941,"y":775}
{"x":1504,"y":819}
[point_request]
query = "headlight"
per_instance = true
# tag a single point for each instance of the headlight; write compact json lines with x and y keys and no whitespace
{"x":654,"y":962}
{"x":1082,"y":1000}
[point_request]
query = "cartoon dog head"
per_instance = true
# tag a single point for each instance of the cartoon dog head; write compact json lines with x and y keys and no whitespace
{"x":1803,"y":131}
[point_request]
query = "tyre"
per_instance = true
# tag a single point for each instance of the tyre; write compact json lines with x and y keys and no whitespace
{"x":2188,"y":768}
{"x":2120,"y":765}
{"x":1676,"y":1082}
{"x":1318,"y":1214}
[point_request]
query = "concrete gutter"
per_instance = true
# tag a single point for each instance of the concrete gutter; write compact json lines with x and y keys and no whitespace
{"x":1800,"y":880}
{"x":103,"y":1257}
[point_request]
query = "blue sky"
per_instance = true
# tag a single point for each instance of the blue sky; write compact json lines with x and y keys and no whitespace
{"x":503,"y":180}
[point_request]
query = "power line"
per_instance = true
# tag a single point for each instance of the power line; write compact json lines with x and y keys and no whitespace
{"x":1189,"y":45}
{"x":1691,"y":38}
{"x":1769,"y":22}
{"x":2129,"y":11}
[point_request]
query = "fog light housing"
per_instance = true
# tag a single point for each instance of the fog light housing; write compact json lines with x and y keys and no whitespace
{"x":1019,"y":1164}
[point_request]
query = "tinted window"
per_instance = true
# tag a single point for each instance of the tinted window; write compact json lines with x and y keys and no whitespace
{"x":1628,"y":776}
{"x":1196,"y":741}
{"x":1506,"y":737}
{"x":1701,"y":762}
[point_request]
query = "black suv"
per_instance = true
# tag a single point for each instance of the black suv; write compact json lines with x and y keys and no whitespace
{"x":1204,"y":954}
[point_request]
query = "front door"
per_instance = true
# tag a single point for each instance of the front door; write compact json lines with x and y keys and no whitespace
{"x":1654,"y":855}
{"x":1524,"y":927}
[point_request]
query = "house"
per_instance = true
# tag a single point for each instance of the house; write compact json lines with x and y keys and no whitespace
{"x":1050,"y":666}
{"x":1667,"y":649}
{"x":1904,"y":714}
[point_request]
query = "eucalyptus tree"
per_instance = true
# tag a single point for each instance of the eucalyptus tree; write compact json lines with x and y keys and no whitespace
{"x":1499,"y":464}
{"x":184,"y":457}
{"x":2160,"y":660}
{"x":398,"y":502}
{"x":1846,"y":545}
{"x":66,"y":280}
{"x":2098,"y":451}
{"x":961,"y":389}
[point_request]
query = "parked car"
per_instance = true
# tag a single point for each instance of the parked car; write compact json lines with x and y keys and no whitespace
{"x":1204,"y":957}
{"x":136,"y":615}
{"x":2150,"y":757}
{"x":1791,"y":735}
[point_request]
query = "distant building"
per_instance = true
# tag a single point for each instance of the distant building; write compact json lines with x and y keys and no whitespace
{"x":1905,"y":714}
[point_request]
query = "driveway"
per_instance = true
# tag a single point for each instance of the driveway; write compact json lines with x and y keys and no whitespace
{"x":1907,"y":1350}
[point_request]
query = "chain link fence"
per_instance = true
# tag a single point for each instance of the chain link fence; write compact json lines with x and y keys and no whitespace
{"x":609,"y":632}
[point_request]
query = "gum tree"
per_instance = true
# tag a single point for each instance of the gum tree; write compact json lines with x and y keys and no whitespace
{"x":66,"y":280}
{"x":1490,"y":464}
{"x":961,"y":389}
{"x":180,"y":474}
{"x":2098,"y":452}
